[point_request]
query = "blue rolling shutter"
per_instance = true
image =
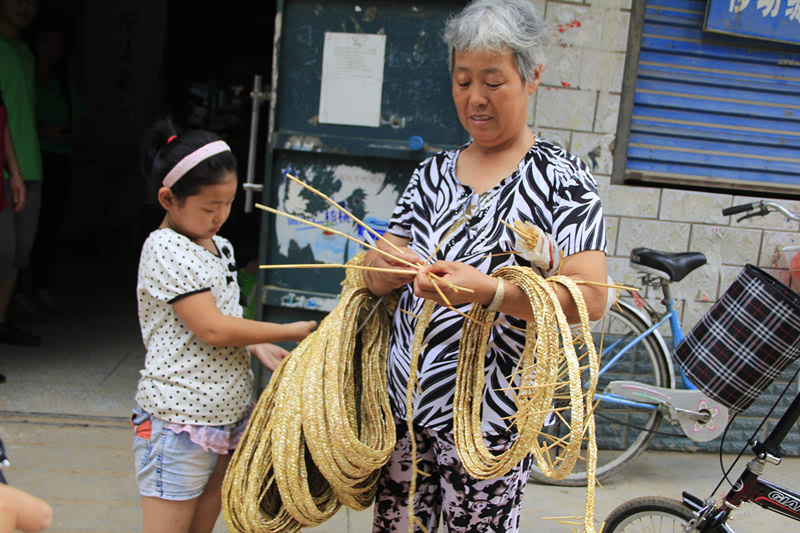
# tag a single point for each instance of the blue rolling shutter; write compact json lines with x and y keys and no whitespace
{"x":712,"y":110}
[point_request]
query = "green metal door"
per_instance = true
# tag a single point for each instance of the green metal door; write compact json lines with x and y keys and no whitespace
{"x":362,"y":167}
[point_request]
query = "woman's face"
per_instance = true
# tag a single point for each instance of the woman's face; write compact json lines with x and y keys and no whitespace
{"x":491,"y":97}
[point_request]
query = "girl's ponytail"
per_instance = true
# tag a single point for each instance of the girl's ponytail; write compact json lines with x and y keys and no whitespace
{"x":164,"y":146}
{"x":153,"y":141}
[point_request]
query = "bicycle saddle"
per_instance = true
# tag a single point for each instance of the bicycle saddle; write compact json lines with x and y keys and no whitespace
{"x":672,"y":266}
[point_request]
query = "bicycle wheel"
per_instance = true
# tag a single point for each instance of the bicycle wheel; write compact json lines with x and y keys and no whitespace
{"x":623,"y":433}
{"x":648,"y":514}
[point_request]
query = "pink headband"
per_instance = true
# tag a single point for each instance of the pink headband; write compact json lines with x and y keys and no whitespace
{"x":192,"y":160}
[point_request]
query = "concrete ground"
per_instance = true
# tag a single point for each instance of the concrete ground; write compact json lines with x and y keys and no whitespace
{"x":65,"y":406}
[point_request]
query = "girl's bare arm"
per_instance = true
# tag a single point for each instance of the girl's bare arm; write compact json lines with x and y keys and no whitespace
{"x":201,"y":315}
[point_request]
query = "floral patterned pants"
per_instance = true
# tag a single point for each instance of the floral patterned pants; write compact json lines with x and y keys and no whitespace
{"x":465,"y":504}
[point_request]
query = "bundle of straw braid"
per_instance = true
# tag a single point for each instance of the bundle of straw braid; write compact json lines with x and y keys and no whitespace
{"x":323,"y":427}
{"x":549,"y":347}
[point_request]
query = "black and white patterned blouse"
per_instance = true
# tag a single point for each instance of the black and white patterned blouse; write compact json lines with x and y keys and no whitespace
{"x":185,"y":380}
{"x":552,"y":189}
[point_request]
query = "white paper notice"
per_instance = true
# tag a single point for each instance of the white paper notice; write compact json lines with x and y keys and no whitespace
{"x":352,"y":79}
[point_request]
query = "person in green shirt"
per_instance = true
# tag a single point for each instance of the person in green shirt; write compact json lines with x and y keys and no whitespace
{"x":59,"y":110}
{"x":17,"y":232}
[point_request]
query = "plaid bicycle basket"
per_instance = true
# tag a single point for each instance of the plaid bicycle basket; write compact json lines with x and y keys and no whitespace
{"x":745,"y":340}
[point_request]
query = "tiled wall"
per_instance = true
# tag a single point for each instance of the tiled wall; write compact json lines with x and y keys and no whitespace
{"x":577,"y":106}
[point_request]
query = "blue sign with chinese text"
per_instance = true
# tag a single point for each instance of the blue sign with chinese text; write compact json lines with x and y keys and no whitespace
{"x":773,"y":20}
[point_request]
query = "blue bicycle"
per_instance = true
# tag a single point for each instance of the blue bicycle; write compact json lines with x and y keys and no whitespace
{"x":637,"y":390}
{"x":658,"y":514}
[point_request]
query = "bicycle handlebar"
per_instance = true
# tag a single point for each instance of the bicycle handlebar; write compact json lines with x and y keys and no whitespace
{"x":736,"y":209}
{"x":763,"y":207}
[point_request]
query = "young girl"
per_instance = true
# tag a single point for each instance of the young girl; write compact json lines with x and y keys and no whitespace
{"x":194,"y":395}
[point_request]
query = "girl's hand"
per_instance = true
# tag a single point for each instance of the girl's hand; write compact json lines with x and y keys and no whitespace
{"x":297,"y":331}
{"x":459,"y":274}
{"x":270,"y":355}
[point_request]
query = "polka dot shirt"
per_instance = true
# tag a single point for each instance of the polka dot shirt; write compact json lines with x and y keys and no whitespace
{"x":185,"y":380}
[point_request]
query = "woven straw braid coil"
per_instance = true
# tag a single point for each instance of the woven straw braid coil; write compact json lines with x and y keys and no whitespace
{"x":322,"y":429}
{"x":549,"y":346}
{"x":324,"y":460}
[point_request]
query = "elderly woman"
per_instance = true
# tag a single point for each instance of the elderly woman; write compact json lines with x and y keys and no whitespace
{"x":453,"y":210}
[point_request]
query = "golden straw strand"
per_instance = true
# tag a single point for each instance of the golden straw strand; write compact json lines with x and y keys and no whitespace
{"x":326,"y":228}
{"x":608,"y":285}
{"x":345,"y":211}
{"x":436,"y":286}
{"x":416,"y":350}
{"x":334,"y":265}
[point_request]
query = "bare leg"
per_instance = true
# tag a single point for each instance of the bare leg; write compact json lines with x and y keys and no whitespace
{"x":210,"y":502}
{"x":167,"y":516}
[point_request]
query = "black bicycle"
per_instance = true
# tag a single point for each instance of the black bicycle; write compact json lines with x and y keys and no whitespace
{"x":693,"y":514}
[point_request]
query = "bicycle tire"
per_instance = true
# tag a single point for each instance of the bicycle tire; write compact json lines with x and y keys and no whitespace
{"x":623,"y":433}
{"x":648,"y":514}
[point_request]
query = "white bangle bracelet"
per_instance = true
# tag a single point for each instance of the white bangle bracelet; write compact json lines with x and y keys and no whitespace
{"x":499,"y":294}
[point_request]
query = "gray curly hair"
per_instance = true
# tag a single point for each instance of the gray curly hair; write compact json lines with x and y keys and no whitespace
{"x":500,"y":25}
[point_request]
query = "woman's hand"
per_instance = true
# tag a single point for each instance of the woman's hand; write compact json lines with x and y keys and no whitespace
{"x":589,"y":266}
{"x":460,"y":274}
{"x":270,"y":355}
{"x":382,"y":283}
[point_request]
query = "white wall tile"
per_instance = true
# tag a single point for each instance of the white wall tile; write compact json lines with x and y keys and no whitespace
{"x":602,"y":70}
{"x":595,"y":150}
{"x":689,"y":206}
{"x":615,"y":30}
{"x":693,"y":311}
{"x":570,"y":24}
{"x":726,"y":245}
{"x":563,"y":66}
{"x":772,"y":255}
{"x":605,"y":120}
{"x":620,"y":271}
{"x":612,"y":227}
{"x":700,"y":285}
{"x":610,"y":4}
{"x":565,"y":109}
{"x":603,"y":187}
{"x":728,"y":274}
{"x":657,"y":234}
{"x":633,"y":201}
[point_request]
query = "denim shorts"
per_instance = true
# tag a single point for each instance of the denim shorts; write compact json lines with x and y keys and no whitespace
{"x":168,"y":465}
